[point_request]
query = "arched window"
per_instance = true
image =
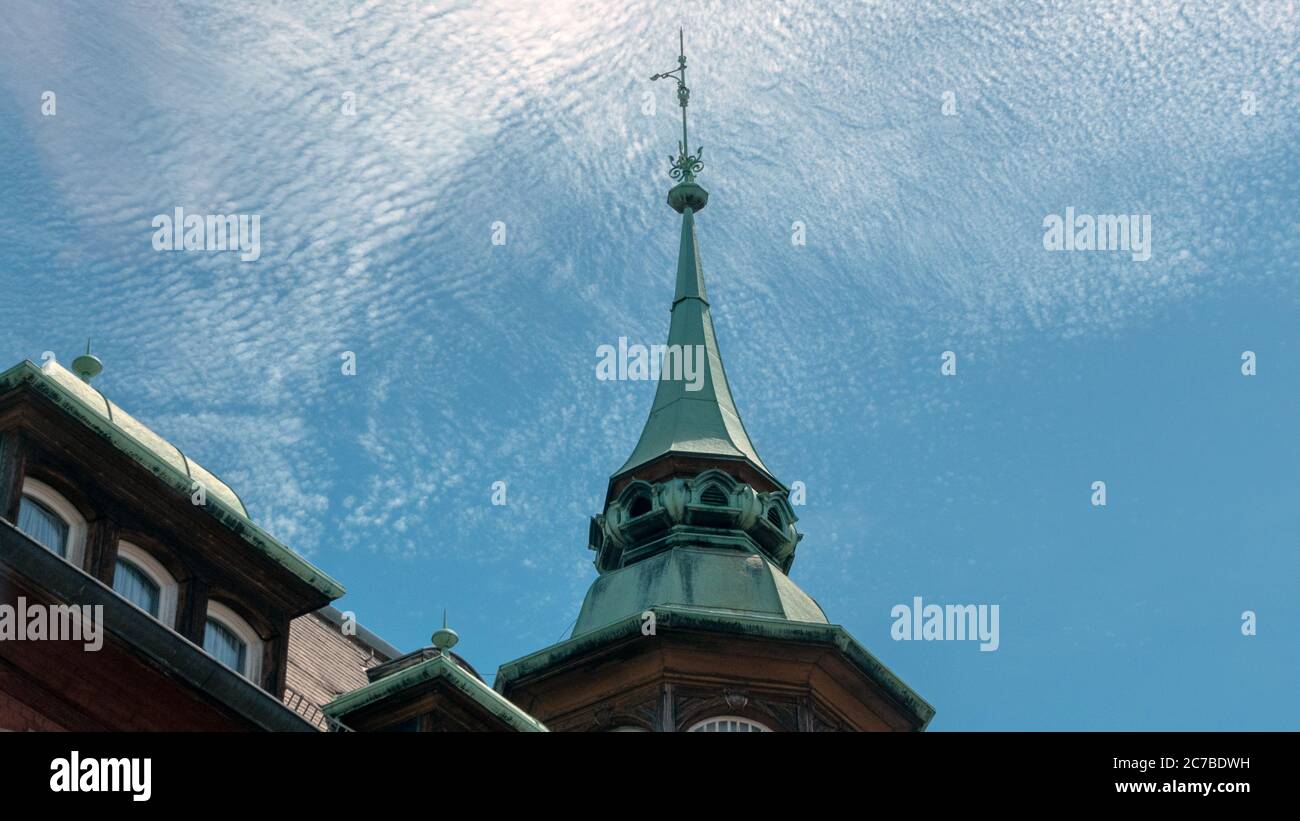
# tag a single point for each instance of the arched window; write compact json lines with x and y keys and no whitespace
{"x":136,"y":587}
{"x":714,"y":495}
{"x":640,"y":506}
{"x":142,"y":580}
{"x":51,"y":520}
{"x":728,"y":724}
{"x":230,"y":640}
{"x":774,"y":516}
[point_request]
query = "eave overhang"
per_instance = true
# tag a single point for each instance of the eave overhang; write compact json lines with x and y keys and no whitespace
{"x":156,"y":644}
{"x":675,"y":618}
{"x":27,"y":375}
{"x":440,"y":668}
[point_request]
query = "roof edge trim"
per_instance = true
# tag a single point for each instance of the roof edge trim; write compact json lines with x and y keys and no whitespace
{"x":235,"y":521}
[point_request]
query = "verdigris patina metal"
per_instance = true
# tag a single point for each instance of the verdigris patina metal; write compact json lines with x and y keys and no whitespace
{"x":727,"y":536}
{"x":693,"y":613}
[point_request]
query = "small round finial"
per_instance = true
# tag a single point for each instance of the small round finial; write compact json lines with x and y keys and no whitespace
{"x":688,"y":194}
{"x":444,"y":638}
{"x":87,"y":366}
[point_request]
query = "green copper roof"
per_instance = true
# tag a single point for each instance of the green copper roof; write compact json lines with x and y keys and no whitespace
{"x":157,"y":445}
{"x":438,"y":667}
{"x":701,"y":422}
{"x":727,"y":581}
{"x":163,"y":459}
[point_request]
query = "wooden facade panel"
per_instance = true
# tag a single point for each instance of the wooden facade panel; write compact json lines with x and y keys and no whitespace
{"x":107,"y":689}
{"x":102,"y":482}
{"x":13,"y":459}
{"x":120,"y":499}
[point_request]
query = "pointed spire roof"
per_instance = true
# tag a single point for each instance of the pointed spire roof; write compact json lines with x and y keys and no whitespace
{"x":693,"y":417}
{"x":701,"y":422}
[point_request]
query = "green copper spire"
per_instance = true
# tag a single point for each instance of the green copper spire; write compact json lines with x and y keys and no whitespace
{"x":692,"y":416}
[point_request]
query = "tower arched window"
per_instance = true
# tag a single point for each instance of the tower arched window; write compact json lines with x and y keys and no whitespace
{"x":774,"y":516}
{"x":142,"y":580}
{"x":51,"y":520}
{"x":714,"y":495}
{"x":230,"y":640}
{"x":728,"y":724}
{"x":640,"y":506}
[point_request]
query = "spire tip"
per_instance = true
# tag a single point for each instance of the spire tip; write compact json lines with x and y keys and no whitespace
{"x":685,"y":165}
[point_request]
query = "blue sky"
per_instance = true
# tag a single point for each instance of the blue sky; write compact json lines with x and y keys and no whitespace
{"x":476,"y":362}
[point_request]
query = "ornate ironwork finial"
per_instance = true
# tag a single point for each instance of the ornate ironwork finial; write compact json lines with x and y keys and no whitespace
{"x":685,"y":165}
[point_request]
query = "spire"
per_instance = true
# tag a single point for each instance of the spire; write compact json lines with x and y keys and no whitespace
{"x":693,"y":412}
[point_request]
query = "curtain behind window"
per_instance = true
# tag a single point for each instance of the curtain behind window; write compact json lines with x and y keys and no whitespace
{"x":137,"y":588}
{"x":224,"y":645}
{"x":43,"y":525}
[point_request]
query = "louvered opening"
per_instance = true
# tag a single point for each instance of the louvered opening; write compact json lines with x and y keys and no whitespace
{"x":713,"y":495}
{"x":774,"y":516}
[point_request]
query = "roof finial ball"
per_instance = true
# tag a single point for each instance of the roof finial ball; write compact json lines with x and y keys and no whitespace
{"x":87,"y":366}
{"x":445,"y":638}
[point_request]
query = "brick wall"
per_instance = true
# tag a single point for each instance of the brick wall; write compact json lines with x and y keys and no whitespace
{"x":323,"y":664}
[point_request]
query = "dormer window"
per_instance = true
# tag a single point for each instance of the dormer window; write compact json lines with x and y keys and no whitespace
{"x":230,"y":640}
{"x":51,"y":520}
{"x":142,"y":580}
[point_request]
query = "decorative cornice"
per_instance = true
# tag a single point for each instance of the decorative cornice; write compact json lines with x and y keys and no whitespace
{"x":579,"y":650}
{"x":712,"y":509}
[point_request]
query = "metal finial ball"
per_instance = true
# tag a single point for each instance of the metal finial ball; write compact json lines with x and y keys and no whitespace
{"x":445,"y":638}
{"x":87,"y":366}
{"x":688,"y":194}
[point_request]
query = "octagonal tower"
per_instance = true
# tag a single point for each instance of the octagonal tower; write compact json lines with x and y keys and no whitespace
{"x":693,"y":622}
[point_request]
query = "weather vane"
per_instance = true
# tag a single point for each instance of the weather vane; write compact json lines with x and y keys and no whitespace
{"x":684,"y":165}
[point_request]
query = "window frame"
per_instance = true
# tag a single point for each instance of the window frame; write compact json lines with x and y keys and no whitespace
{"x":636,"y":501}
{"x":236,"y":624}
{"x":58,"y":504}
{"x":168,"y":588}
{"x":698,"y":726}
